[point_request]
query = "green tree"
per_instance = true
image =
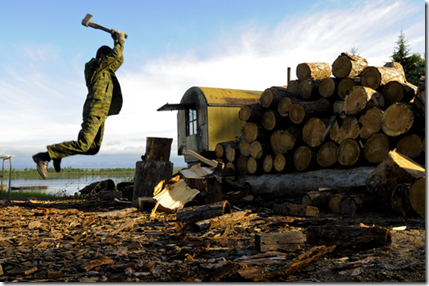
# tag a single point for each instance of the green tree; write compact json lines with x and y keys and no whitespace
{"x":414,"y":65}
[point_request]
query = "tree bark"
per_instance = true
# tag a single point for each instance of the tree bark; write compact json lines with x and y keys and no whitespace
{"x":377,"y":147}
{"x":347,"y":65}
{"x":313,"y":130}
{"x":309,"y":89}
{"x":347,"y":84}
{"x":397,"y":119}
{"x":349,"y":152}
{"x":357,"y":238}
{"x":293,"y":87}
{"x":313,"y":71}
{"x":348,"y":130}
{"x":394,"y":169}
{"x":297,"y":184}
{"x":395,"y":91}
{"x":371,"y":122}
{"x":360,"y":98}
{"x":418,"y":196}
{"x":410,"y":146}
{"x":300,"y":112}
{"x":251,"y":112}
{"x":304,"y":158}
{"x":328,"y":87}
{"x":327,"y":155}
{"x":374,"y":77}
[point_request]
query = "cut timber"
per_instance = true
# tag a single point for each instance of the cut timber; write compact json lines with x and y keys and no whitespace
{"x":158,"y":149}
{"x":252,"y":131}
{"x":304,"y":158}
{"x":287,"y":209}
{"x":148,"y":175}
{"x":190,"y":215}
{"x":226,"y":150}
{"x":257,"y":149}
{"x":283,"y":241}
{"x":349,"y":152}
{"x":313,"y":130}
{"x":317,"y":199}
{"x":244,"y":148}
{"x":357,"y":238}
{"x":313,"y":71}
{"x":371,"y":122}
{"x":328,"y":87}
{"x":271,"y":97}
{"x":254,"y":166}
{"x":285,"y":103}
{"x":410,"y":146}
{"x":400,"y":200}
{"x":309,"y":89}
{"x":376,"y":148}
{"x":418,"y":197}
{"x":300,"y":112}
{"x":251,"y":112}
{"x":270,"y":119}
{"x":293,"y":87}
{"x":229,"y":169}
{"x":175,"y":195}
{"x":398,"y":67}
{"x":346,"y":84}
{"x":267,"y":164}
{"x":394,"y":169}
{"x":276,"y":147}
{"x":360,"y":98}
{"x":327,"y":155}
{"x":395,"y":91}
{"x":290,"y":137}
{"x":282,"y":163}
{"x":397,"y":119}
{"x":338,"y":108}
{"x":374,"y":77}
{"x":349,"y":130}
{"x":242,"y":164}
{"x":295,"y":185}
{"x":347,"y":65}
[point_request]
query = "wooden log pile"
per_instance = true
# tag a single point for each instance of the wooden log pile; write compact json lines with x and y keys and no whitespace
{"x":346,"y":117}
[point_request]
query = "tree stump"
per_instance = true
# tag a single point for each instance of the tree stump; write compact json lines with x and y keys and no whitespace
{"x":376,"y":148}
{"x":360,"y":98}
{"x":371,"y":122}
{"x":346,"y":84}
{"x":302,"y":111}
{"x":154,"y":168}
{"x":313,"y":71}
{"x":374,"y":77}
{"x":347,"y":65}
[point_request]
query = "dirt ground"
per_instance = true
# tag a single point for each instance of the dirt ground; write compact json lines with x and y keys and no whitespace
{"x":109,"y":241}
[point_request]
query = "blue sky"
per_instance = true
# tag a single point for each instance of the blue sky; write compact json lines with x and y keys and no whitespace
{"x":172,"y":46}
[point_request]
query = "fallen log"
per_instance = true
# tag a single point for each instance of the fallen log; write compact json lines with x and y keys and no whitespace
{"x":283,"y":241}
{"x":358,"y":238}
{"x":294,"y":185}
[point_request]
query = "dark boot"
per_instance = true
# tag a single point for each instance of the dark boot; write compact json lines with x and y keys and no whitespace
{"x":42,"y":159}
{"x":57,"y":165}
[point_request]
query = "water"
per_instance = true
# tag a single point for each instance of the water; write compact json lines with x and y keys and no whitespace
{"x":64,"y":186}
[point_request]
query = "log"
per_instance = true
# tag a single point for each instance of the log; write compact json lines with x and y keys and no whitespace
{"x":400,"y":200}
{"x":397,"y":119}
{"x":418,"y":197}
{"x":360,"y":98}
{"x":97,"y":187}
{"x":271,"y":119}
{"x":244,"y":147}
{"x":235,"y":190}
{"x":290,"y":209}
{"x":338,"y":108}
{"x":276,"y":147}
{"x":271,"y":97}
{"x":290,"y":137}
{"x":394,"y":169}
{"x":254,"y":166}
{"x":313,"y":71}
{"x":226,"y":150}
{"x":334,"y":202}
{"x":285,"y":103}
{"x":345,"y":237}
{"x":304,"y":158}
{"x":349,"y":130}
{"x":328,"y":87}
{"x":190,"y":215}
{"x":283,"y":241}
{"x":313,"y":130}
{"x":420,"y":98}
{"x":148,"y":175}
{"x":376,"y":148}
{"x":410,"y":146}
{"x":317,"y":199}
{"x":327,"y":155}
{"x":268,"y":164}
{"x":157,"y":149}
{"x":126,"y":188}
{"x":242,"y":164}
{"x":349,"y":152}
{"x":347,"y":65}
{"x":297,"y":184}
{"x":257,"y":149}
{"x":347,"y":84}
{"x":309,"y":89}
{"x":395,"y":91}
{"x":231,"y":152}
{"x":398,"y":67}
{"x":282,"y":163}
{"x":347,"y":206}
{"x":374,"y":77}
{"x":293,"y":87}
{"x":302,"y":111}
{"x":251,"y":112}
{"x":252,"y":131}
{"x":370,"y":122}
{"x":210,"y":190}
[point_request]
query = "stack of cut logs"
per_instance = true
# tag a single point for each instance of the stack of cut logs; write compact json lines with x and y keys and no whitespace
{"x":353,"y":118}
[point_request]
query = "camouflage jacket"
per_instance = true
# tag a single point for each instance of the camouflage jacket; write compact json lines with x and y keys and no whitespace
{"x":104,"y":92}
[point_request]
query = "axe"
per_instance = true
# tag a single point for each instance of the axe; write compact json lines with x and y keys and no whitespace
{"x":217,"y":173}
{"x":87,"y":22}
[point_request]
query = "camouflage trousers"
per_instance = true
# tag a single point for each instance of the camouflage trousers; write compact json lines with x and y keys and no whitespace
{"x":88,"y":140}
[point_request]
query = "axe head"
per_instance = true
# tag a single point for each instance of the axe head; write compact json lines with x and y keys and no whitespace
{"x":87,"y":20}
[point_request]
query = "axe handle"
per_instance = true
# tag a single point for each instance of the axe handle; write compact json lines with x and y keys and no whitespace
{"x":211,"y":163}
{"x":96,"y":26}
